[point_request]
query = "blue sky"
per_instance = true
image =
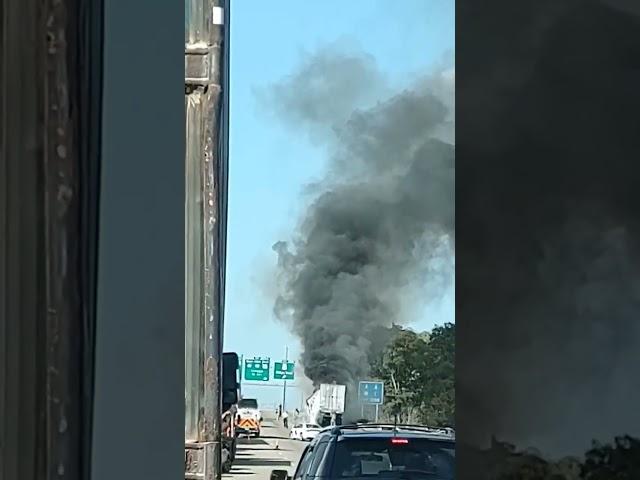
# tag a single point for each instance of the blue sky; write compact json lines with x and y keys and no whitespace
{"x":270,"y":164}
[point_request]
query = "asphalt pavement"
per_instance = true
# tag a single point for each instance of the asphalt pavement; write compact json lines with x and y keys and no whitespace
{"x":273,"y":450}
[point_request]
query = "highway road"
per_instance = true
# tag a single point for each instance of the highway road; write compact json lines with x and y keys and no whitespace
{"x":256,"y":457}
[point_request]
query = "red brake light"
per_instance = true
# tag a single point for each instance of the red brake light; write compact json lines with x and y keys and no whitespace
{"x":399,"y":441}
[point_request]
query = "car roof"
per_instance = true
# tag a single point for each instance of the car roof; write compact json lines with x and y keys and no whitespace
{"x":388,"y":431}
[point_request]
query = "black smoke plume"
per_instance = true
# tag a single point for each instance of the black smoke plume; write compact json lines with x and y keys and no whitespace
{"x":548,"y":250}
{"x":379,"y":230}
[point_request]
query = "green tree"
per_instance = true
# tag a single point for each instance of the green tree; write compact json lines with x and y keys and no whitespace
{"x":621,"y":460}
{"x":418,"y":372}
{"x":401,"y":369}
{"x":437,"y":389}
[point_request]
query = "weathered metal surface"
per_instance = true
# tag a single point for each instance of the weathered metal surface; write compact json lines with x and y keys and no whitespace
{"x":201,"y":18}
{"x":61,"y":218}
{"x":211,"y":269}
{"x":193,"y":285}
{"x":198,"y":457}
{"x":203,"y":61}
{"x":203,"y":46}
{"x":201,"y":65}
{"x":45,"y":306}
{"x":210,"y":347}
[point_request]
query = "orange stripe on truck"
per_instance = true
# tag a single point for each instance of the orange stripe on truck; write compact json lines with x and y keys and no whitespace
{"x":248,"y":423}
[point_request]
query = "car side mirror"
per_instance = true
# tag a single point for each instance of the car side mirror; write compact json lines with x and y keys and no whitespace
{"x":279,"y":475}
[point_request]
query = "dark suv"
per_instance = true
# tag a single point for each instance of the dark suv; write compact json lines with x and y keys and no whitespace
{"x":369,"y":451}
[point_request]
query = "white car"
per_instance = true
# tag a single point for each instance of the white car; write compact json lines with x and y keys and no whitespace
{"x":305,"y":431}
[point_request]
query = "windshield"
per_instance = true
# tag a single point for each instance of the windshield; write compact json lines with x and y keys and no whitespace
{"x":248,"y":403}
{"x":394,"y":458}
{"x":313,"y":426}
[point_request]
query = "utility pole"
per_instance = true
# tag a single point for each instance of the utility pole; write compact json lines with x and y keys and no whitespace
{"x":284,"y":388}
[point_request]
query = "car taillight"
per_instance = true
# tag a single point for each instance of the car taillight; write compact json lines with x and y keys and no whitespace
{"x":399,"y":441}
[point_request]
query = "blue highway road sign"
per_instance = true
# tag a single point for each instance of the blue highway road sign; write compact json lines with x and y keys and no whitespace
{"x":371,"y":392}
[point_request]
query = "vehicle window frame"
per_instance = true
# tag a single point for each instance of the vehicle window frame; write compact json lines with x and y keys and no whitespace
{"x":301,"y":469}
{"x":318,"y":457}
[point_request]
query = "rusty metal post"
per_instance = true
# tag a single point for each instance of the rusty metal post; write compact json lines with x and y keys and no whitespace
{"x":204,"y":36}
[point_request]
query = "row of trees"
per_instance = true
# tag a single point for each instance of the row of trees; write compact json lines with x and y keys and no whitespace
{"x":619,"y":460}
{"x":419,"y":376}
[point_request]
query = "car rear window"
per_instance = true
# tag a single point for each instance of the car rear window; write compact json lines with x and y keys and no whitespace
{"x":248,"y":403}
{"x":313,"y":425}
{"x":403,"y":458}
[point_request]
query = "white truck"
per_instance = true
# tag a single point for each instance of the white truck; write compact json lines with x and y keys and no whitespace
{"x":326,"y":406}
{"x":249,"y":418}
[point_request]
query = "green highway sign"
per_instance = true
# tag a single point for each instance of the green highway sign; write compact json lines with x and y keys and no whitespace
{"x":257,"y":369}
{"x":283,"y":370}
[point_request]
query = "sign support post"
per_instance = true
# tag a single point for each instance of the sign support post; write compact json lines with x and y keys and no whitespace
{"x":284,"y":370}
{"x":284,"y":388}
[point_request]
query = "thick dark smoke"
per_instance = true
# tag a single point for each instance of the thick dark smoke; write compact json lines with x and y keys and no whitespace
{"x":382,"y":218}
{"x":548,"y":292}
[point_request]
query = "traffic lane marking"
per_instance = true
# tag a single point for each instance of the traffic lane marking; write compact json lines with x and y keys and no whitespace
{"x":258,"y":460}
{"x":257,"y":457}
